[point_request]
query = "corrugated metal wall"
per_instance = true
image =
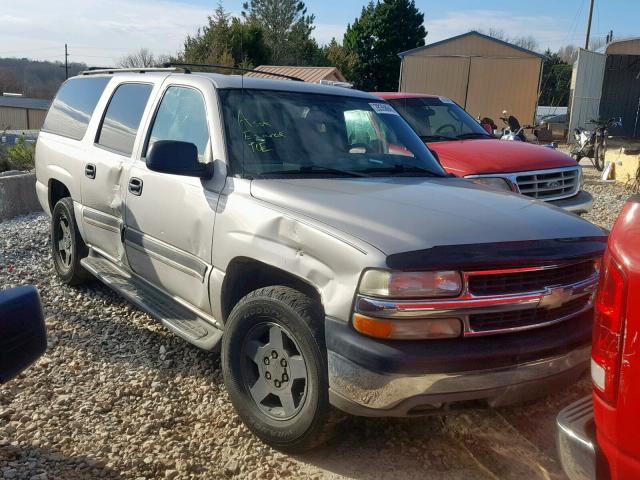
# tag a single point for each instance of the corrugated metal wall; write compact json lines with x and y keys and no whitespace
{"x":621,"y":93}
{"x":624,"y":47}
{"x":36,"y":118}
{"x":498,"y":84}
{"x":13,"y":118}
{"x":446,"y":76}
{"x":471,"y":46}
{"x":21,"y":118}
{"x":484,"y":76}
{"x":586,"y":89}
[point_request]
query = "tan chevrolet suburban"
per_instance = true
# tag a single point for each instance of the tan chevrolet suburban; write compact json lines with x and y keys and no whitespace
{"x":309,"y":233}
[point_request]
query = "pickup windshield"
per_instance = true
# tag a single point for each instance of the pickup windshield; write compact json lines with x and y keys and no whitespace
{"x":438,"y":119}
{"x":276,"y":133}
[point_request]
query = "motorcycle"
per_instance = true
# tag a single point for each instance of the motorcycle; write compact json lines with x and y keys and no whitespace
{"x":593,"y":143}
{"x":513,"y":130}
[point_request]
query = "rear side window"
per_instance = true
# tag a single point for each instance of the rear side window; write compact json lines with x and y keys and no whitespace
{"x":72,"y":108}
{"x":123,"y":116}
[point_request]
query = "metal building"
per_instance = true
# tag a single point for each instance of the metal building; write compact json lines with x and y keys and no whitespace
{"x":308,"y":74}
{"x":22,"y":113}
{"x":606,"y":84}
{"x":482,"y":74}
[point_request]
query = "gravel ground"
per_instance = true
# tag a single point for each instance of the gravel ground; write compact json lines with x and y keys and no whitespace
{"x":118,"y":396}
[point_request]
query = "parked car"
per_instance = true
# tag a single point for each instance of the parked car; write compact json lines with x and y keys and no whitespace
{"x":23,"y":338}
{"x":333,"y":271}
{"x":598,"y":435}
{"x":465,"y":149}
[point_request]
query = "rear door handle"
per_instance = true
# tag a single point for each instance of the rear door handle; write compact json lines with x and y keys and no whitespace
{"x":135,"y":186}
{"x":90,"y":170}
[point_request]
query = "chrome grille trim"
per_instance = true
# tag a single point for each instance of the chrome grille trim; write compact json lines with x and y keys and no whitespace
{"x":549,"y":184}
{"x":534,"y":183}
{"x":467,"y":304}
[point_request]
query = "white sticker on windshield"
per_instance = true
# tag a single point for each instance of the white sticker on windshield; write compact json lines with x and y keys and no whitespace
{"x":383,"y":108}
{"x":445,"y":100}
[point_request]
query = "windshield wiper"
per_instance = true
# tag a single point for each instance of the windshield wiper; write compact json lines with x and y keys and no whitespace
{"x":318,"y":168}
{"x":430,"y":138}
{"x":473,"y":135}
{"x":399,"y":168}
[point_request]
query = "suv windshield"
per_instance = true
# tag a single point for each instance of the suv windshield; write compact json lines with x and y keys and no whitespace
{"x":438,"y":118}
{"x":289,"y":133}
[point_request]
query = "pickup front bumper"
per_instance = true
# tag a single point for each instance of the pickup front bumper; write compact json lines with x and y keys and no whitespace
{"x":368,"y":377}
{"x":575,"y":438}
{"x":582,"y":202}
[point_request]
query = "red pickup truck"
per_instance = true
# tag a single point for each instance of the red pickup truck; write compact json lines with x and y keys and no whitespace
{"x":599,"y":436}
{"x":467,"y":150}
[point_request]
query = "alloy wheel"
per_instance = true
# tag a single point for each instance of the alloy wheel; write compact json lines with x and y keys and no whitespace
{"x":274,"y":371}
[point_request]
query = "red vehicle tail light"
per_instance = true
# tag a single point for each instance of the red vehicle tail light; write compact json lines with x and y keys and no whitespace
{"x":608,"y":330}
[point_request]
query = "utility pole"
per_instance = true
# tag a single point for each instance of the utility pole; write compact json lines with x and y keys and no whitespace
{"x":66,"y":61}
{"x":586,"y":42}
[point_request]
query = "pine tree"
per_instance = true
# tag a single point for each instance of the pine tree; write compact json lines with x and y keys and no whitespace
{"x":383,"y":30}
{"x":287,"y":27}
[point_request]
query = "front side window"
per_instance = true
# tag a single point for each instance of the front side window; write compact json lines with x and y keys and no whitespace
{"x":436,"y":119}
{"x":73,"y":106}
{"x":182,"y":117}
{"x":123,"y":116}
{"x":290,"y":133}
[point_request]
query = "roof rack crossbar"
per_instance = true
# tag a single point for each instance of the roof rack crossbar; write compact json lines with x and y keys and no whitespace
{"x":226,"y":67}
{"x":102,"y":70}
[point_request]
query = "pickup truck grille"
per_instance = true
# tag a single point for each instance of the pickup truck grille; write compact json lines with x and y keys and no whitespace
{"x":528,"y":281}
{"x":488,"y":322}
{"x":549,"y":184}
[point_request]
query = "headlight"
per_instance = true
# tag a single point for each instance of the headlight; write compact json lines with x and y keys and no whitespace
{"x":394,"y":284}
{"x":494,"y":182}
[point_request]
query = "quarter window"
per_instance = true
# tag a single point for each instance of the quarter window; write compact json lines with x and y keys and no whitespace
{"x":123,"y":116}
{"x":182,"y":117}
{"x":73,"y":106}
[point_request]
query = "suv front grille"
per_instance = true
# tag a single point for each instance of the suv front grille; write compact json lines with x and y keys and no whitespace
{"x":486,"y":322}
{"x":529,"y":281}
{"x":548,"y":185}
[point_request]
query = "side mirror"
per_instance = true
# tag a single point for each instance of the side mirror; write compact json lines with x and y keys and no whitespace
{"x":23,"y":337}
{"x":177,"y":158}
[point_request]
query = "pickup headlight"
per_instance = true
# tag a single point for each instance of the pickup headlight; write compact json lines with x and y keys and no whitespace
{"x":396,"y":284}
{"x":494,"y":182}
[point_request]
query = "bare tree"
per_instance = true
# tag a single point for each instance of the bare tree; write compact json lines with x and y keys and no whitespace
{"x":143,"y":58}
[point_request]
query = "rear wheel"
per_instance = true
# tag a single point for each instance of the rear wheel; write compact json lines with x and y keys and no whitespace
{"x":274,"y":366}
{"x":67,"y":246}
{"x":599,"y":152}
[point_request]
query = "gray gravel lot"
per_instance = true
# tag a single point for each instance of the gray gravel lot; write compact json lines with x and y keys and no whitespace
{"x":118,"y":396}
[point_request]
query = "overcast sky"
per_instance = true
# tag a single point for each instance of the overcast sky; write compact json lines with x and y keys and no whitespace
{"x":99,"y":32}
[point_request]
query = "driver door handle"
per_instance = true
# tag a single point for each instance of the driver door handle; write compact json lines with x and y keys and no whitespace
{"x":135,"y":186}
{"x":90,"y":170}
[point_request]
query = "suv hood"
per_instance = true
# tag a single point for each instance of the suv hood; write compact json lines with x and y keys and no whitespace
{"x":475,"y":157}
{"x":408,"y":213}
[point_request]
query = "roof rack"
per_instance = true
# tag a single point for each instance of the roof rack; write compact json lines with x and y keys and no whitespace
{"x":187,"y":66}
{"x":102,"y":70}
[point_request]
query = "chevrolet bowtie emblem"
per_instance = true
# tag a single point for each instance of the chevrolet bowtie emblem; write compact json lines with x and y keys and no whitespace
{"x":555,"y":298}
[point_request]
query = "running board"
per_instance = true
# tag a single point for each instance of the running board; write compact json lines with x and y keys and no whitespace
{"x":175,"y":316}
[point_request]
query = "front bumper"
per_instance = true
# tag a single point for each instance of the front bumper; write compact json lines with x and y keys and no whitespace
{"x":575,"y":438}
{"x":398,"y":379}
{"x":582,"y":202}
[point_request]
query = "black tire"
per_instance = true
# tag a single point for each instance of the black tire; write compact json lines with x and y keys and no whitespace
{"x":67,"y":246}
{"x":311,"y":421}
{"x":599,"y":152}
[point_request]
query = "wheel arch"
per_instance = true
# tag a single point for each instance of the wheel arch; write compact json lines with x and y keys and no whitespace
{"x":244,"y":275}
{"x":57,"y":191}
